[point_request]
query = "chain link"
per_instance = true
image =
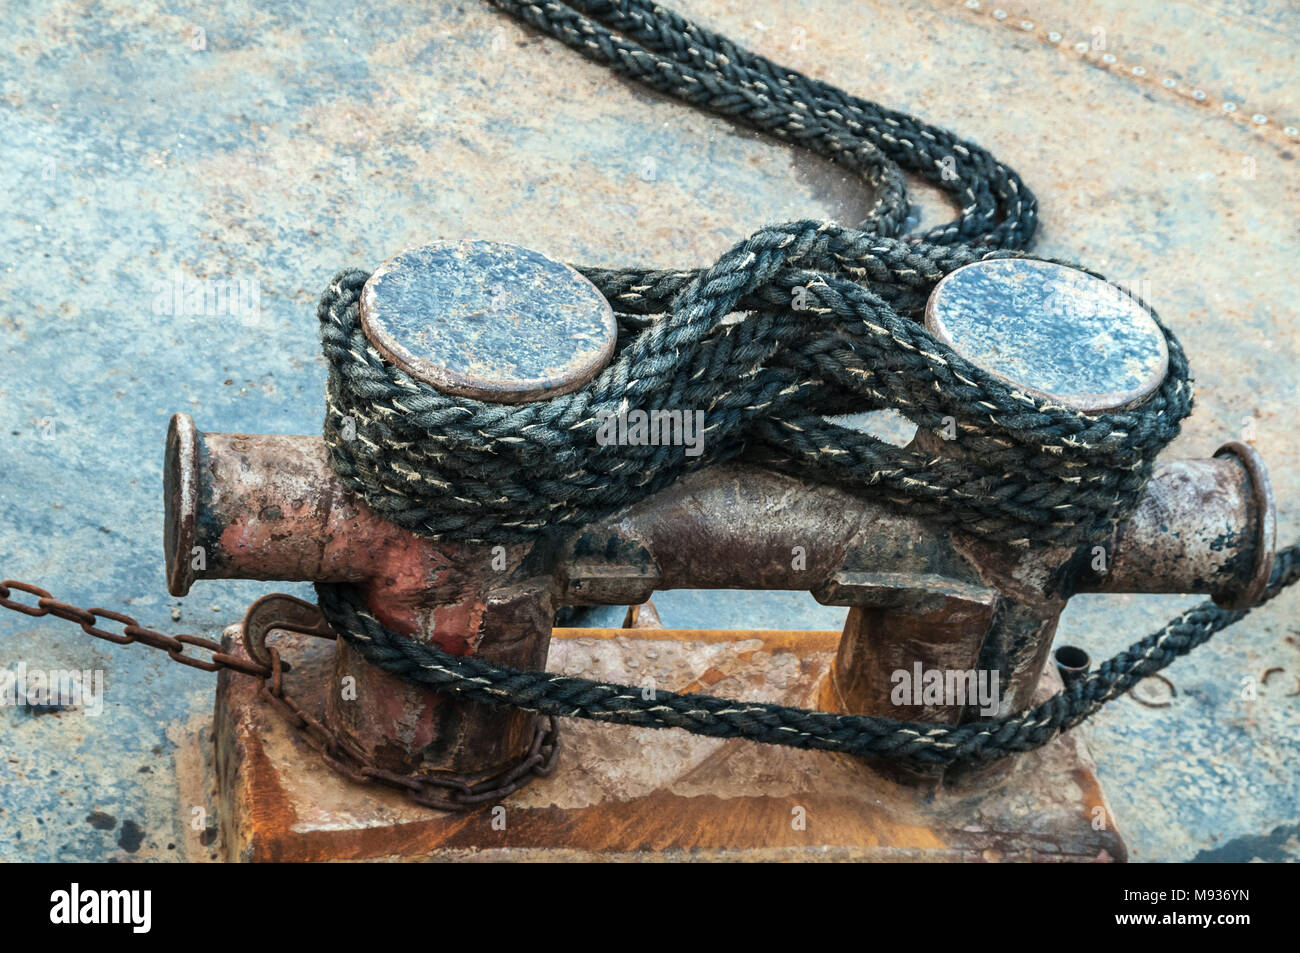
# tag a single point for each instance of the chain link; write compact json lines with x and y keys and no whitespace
{"x":445,"y":792}
{"x":131,"y":632}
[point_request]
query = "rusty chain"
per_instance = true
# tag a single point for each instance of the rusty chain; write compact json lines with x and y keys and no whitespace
{"x":132,"y":631}
{"x":445,"y":792}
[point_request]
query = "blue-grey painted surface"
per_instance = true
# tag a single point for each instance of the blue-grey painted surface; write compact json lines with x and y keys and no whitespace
{"x":149,"y":147}
{"x":488,"y":320}
{"x":1055,"y":330}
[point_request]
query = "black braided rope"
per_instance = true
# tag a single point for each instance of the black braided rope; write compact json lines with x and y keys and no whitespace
{"x":455,"y":467}
{"x":1035,"y":473}
{"x":908,"y":742}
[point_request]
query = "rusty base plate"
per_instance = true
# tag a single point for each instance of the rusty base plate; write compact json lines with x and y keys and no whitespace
{"x":641,"y":794}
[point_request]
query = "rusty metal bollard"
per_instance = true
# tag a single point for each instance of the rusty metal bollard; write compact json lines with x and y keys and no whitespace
{"x":500,"y":323}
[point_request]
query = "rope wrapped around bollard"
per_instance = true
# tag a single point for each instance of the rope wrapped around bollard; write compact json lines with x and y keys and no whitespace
{"x":913,"y":743}
{"x":828,"y":327}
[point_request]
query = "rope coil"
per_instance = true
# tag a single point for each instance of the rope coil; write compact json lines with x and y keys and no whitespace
{"x":1036,"y":473}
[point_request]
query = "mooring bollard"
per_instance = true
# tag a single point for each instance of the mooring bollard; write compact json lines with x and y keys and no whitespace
{"x":269,"y":507}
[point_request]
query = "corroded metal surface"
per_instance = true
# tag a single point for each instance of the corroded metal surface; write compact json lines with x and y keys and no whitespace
{"x":282,"y":148}
{"x":1054,"y":331}
{"x":269,"y":507}
{"x":488,"y":320}
{"x":1253,"y":580}
{"x":1202,"y":526}
{"x":622,"y":793}
{"x":180,"y":502}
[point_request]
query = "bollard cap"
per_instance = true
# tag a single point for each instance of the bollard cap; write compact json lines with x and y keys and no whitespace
{"x":1054,"y":331}
{"x":488,"y":320}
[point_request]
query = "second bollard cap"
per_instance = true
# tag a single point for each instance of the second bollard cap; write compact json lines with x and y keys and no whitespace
{"x":1056,"y":332}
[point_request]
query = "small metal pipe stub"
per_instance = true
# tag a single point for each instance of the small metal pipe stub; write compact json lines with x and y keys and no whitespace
{"x":1072,"y":663}
{"x":1203,"y":526}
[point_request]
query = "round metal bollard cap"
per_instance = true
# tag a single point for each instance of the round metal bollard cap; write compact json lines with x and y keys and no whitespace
{"x":1054,"y":331}
{"x":488,"y":320}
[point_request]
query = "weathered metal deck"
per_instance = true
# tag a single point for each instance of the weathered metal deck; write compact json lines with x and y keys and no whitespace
{"x":150,"y":147}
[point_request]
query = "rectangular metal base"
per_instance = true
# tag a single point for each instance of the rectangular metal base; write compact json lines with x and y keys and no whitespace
{"x":621,"y":793}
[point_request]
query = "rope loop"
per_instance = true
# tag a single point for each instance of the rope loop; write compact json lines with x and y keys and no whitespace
{"x":827,"y":327}
{"x":918,"y":744}
{"x":1038,"y":473}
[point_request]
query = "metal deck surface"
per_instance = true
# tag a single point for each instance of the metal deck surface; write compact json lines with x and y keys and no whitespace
{"x":272,"y":144}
